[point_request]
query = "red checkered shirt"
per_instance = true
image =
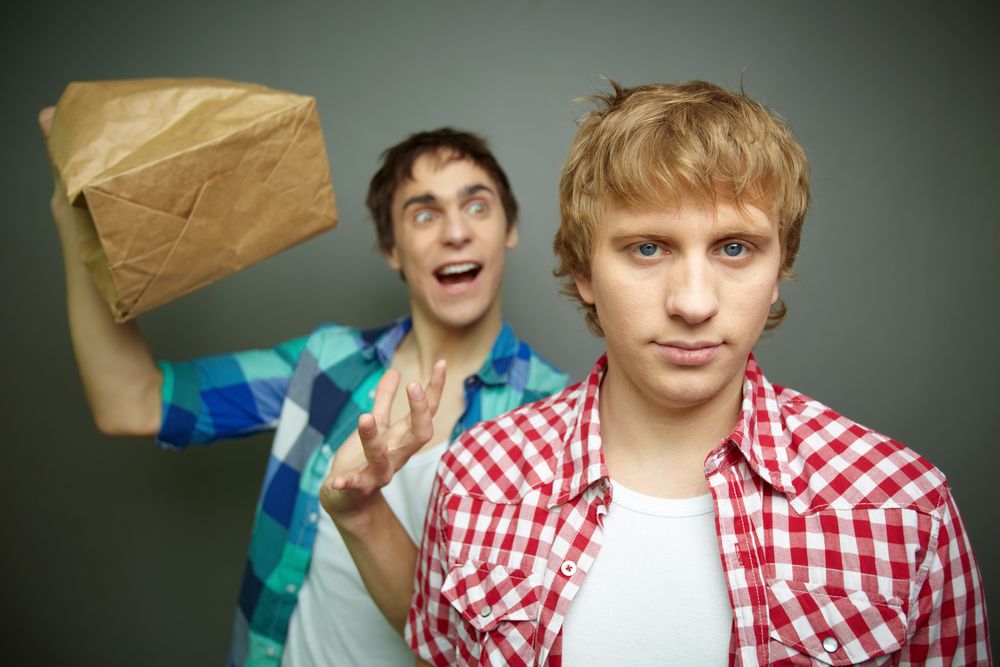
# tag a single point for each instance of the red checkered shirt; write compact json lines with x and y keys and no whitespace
{"x":839,"y":545}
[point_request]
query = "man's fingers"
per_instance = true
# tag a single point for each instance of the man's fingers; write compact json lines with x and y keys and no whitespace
{"x":376,"y":450}
{"x":421,"y":417}
{"x":352,"y":481}
{"x":436,"y":385}
{"x":385,"y":392}
{"x":45,"y":120}
{"x":45,"y":125}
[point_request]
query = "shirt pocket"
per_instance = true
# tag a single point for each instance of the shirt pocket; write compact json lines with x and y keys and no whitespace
{"x":500,"y":607}
{"x":816,"y":625}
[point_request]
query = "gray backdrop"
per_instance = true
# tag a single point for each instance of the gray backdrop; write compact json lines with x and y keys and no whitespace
{"x":116,"y":553}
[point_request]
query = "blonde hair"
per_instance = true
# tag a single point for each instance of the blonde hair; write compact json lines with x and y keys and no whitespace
{"x":658,"y":144}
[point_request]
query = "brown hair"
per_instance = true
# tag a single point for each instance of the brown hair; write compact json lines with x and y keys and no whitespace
{"x":397,"y":168}
{"x":649,"y":145}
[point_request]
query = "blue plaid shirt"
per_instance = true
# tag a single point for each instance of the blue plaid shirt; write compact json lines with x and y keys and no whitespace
{"x":312,"y":389}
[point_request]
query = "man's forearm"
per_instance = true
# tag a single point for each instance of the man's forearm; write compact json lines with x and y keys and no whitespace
{"x":385,"y":557}
{"x":120,"y":377}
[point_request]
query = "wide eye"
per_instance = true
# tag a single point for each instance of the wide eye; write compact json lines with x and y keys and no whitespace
{"x":647,"y":249}
{"x":424,"y":216}
{"x":734,"y":249}
{"x":477,"y":208}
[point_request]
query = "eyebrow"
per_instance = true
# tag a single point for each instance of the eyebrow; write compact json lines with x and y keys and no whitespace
{"x":751,"y":230}
{"x":423,"y":200}
{"x":473,"y":189}
{"x":756,"y":233}
{"x":429,"y":199}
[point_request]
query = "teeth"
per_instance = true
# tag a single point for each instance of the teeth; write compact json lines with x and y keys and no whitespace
{"x":457,"y":268}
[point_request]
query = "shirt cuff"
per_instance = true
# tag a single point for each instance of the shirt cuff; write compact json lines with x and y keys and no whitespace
{"x":180,"y":398}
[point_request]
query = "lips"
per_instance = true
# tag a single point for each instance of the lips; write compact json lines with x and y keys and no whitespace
{"x":689,"y":353}
{"x":457,"y":272}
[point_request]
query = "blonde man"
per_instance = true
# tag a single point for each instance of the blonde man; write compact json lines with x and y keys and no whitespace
{"x":675,"y":507}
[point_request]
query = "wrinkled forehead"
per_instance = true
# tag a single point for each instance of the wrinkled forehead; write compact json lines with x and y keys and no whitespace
{"x":442,"y":168}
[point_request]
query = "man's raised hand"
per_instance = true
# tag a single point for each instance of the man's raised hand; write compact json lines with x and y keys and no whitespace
{"x":369,"y":458}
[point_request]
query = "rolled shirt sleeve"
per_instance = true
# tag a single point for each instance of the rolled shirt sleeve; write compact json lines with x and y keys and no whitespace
{"x":225,"y":395}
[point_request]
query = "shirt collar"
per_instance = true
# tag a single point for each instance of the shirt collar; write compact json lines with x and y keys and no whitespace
{"x":497,"y":367}
{"x":759,"y":436}
{"x":581,"y":462}
{"x":382,"y":343}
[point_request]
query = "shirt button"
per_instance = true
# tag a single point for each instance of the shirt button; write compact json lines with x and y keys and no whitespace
{"x":486,"y":611}
{"x":371,"y":394}
{"x":568,"y":568}
{"x":270,"y":651}
{"x":830,"y":644}
{"x":313,"y":517}
{"x":290,"y":588}
{"x":327,"y":450}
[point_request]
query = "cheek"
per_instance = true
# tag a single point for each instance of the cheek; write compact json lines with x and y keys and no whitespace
{"x":750,"y":301}
{"x":621,"y":306}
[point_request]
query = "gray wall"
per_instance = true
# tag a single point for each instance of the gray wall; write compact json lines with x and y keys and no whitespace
{"x":116,"y":553}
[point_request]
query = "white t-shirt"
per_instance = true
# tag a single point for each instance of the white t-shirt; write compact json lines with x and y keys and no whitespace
{"x":335,"y":621}
{"x":656,"y":594}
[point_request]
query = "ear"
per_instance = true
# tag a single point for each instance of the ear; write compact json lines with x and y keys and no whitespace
{"x":584,"y":287}
{"x":776,"y":292}
{"x":512,"y":237}
{"x":392,"y":258}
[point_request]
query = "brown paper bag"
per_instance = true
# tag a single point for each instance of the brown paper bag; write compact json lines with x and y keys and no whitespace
{"x":187,"y":181}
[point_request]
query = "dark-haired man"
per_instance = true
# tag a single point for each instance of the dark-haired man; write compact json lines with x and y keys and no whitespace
{"x":445,"y":218}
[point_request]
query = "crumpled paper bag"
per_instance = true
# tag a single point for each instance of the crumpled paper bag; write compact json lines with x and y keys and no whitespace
{"x":187,"y":181}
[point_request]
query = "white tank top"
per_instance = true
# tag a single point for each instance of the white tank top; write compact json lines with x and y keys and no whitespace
{"x":335,"y":622}
{"x":656,"y":594}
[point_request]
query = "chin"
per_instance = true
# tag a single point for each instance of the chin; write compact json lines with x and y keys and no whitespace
{"x":460,"y":318}
{"x":688,"y":392}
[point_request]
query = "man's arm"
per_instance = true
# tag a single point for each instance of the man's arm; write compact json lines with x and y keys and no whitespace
{"x":379,"y":545}
{"x":120,"y":377}
{"x":950,"y":609}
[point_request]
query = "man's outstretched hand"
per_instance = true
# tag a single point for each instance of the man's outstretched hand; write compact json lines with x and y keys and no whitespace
{"x":369,"y":458}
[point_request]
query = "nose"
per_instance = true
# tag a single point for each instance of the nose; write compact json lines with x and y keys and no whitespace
{"x":692,"y":295}
{"x":456,"y":230}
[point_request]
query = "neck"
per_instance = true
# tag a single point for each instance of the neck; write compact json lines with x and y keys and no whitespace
{"x":464,"y":348}
{"x":658,"y":448}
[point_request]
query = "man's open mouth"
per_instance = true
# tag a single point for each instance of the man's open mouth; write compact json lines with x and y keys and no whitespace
{"x":452,"y":274}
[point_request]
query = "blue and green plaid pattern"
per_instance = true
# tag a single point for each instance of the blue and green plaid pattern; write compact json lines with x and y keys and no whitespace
{"x":312,"y":389}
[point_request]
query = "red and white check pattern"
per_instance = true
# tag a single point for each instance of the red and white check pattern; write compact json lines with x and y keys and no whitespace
{"x":839,"y":545}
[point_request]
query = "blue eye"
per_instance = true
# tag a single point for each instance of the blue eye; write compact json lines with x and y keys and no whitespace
{"x":647,"y":249}
{"x":733,"y":249}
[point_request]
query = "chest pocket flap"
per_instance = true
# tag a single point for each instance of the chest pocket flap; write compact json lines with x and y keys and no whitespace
{"x":486,"y":594}
{"x":833,"y":626}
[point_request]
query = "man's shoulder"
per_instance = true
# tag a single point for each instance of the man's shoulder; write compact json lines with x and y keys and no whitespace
{"x":542,"y":377}
{"x":331,"y":342}
{"x":505,"y":458}
{"x":833,"y":462}
{"x":527,"y":371}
